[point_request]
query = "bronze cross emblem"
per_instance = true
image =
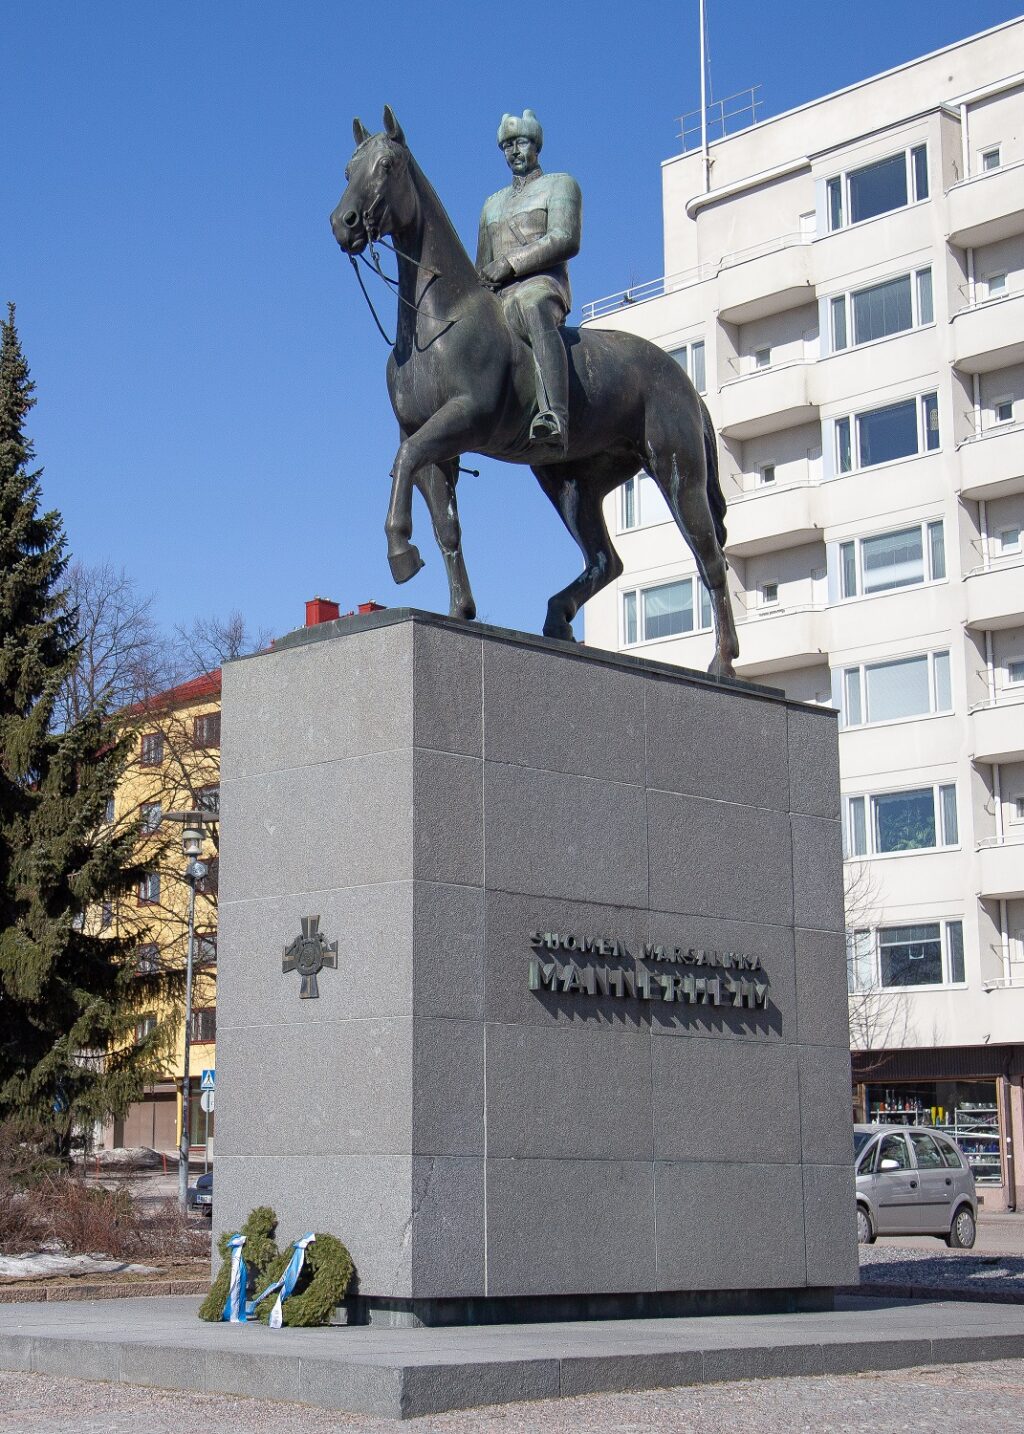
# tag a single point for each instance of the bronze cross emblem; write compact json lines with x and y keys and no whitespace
{"x":308,"y":954}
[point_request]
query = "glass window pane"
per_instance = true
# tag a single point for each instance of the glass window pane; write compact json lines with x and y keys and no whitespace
{"x":844,"y":456}
{"x":919,"y":159}
{"x":894,"y":1148}
{"x":835,"y":204}
{"x":668,"y":610}
{"x":910,"y":955}
{"x":943,"y":693}
{"x":1014,"y":671}
{"x":927,"y":1152}
{"x":629,"y":503}
{"x":947,"y":798}
{"x":883,"y":309}
{"x":950,"y":1155}
{"x":930,"y":406}
{"x":857,"y":835}
{"x":839,"y":323}
{"x":629,"y":617}
{"x":897,"y":689}
{"x":925,"y":308}
{"x":859,"y":960}
{"x":877,"y":188}
{"x":705,"y":605}
{"x":848,"y":569}
{"x":682,"y":357}
{"x":937,"y":550}
{"x":697,"y":372}
{"x":955,"y":948}
{"x":904,"y":821}
{"x":887,"y":433}
{"x":851,"y":695}
{"x":892,"y":560}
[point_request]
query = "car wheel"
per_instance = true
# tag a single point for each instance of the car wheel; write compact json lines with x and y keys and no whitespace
{"x":865,"y":1234}
{"x":963,"y":1231}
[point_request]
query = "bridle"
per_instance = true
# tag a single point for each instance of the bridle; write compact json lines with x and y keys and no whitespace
{"x":375,"y":238}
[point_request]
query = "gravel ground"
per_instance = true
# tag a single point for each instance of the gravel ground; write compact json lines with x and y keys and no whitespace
{"x":942,"y":1268}
{"x":979,"y":1398}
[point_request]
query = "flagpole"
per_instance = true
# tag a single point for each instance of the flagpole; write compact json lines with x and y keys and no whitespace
{"x":705,"y":157}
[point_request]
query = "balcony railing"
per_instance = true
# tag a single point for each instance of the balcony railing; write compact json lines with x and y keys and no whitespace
{"x":997,"y":729}
{"x":992,"y":462}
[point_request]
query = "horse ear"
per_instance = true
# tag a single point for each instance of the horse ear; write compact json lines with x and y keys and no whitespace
{"x":392,"y":128}
{"x":359,"y":131}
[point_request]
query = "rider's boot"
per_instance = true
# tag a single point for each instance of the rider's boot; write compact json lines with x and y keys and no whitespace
{"x":550,"y":428}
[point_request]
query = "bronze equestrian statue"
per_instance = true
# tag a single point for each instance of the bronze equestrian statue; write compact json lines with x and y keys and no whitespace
{"x":462,"y":378}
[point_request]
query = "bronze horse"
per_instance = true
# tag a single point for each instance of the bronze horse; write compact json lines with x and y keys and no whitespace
{"x":460,"y":381}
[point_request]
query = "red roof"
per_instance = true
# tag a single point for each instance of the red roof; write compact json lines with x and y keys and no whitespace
{"x":198,"y":689}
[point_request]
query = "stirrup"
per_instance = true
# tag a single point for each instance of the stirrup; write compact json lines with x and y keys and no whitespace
{"x":548,"y":428}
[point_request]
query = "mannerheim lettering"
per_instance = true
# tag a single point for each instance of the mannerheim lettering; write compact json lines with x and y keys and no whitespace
{"x":610,"y":948}
{"x":644,"y":985}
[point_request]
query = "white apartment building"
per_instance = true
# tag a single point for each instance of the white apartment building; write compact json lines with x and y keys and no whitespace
{"x":847,"y":288}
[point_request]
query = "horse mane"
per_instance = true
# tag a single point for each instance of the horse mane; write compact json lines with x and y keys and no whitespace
{"x":428,"y":194}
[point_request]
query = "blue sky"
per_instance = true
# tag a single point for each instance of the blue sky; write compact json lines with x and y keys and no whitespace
{"x":212,"y":410}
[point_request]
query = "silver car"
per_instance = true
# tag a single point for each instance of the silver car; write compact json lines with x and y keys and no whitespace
{"x":913,"y":1180}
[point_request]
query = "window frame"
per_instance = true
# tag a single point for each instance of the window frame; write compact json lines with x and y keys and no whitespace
{"x":768,"y":594}
{"x":198,"y":1038}
{"x":147,"y":825}
{"x":997,"y":404}
{"x":871,"y":951}
{"x":842,"y":306}
{"x":201,"y":740}
{"x":860,"y":668}
{"x":701,"y":608}
{"x":838,"y":185}
{"x":925,"y":528}
{"x":860,"y":822}
{"x":985,"y":154}
{"x":989,"y":279}
{"x":148,"y":889}
{"x":202,"y":798}
{"x":762,"y":471}
{"x":1011,"y":662}
{"x":687,"y":362}
{"x":151,"y":742}
{"x":846,"y":433}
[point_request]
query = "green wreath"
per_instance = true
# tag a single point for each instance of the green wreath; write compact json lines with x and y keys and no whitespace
{"x":259,"y":1252}
{"x":323,"y":1281}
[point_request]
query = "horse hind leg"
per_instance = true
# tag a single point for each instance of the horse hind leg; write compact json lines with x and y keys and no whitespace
{"x":682,"y":478}
{"x":437,"y":484}
{"x":577,"y":491}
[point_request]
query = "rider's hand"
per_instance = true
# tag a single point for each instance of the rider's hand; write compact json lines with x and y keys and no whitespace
{"x":496,"y":272}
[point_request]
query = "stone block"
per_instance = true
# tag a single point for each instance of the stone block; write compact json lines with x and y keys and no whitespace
{"x":448,"y":1084}
{"x":825,"y":1102}
{"x":713,"y":1233}
{"x":448,"y":939}
{"x":548,"y":834}
{"x":447,"y":676}
{"x":736,"y":1101}
{"x":239,"y":1371}
{"x":295,"y":831}
{"x":564,"y":1093}
{"x":813,"y":741}
{"x":822,"y":1004}
{"x":830,"y":1228}
{"x":355,"y":1387}
{"x":77,"y":1357}
{"x":818,"y":873}
{"x":450,"y":846}
{"x":719,"y":859}
{"x":622,"y":1373}
{"x":582,"y":718}
{"x":294,"y":707}
{"x":712,"y":742}
{"x":448,"y":1228}
{"x":579,"y":1226}
{"x":433,"y":1388}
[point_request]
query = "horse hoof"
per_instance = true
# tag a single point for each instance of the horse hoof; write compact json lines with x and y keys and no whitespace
{"x":721,"y":667}
{"x":561,"y":632}
{"x":463,"y":612}
{"x":405,"y":565}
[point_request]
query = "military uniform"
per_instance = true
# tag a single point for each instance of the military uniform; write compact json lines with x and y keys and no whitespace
{"x":534,"y":224}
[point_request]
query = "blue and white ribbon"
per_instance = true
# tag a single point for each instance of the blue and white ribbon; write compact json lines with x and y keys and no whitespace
{"x":235,"y":1305}
{"x":285,"y":1285}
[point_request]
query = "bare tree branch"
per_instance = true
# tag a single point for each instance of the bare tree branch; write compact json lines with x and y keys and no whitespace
{"x":208,"y":641}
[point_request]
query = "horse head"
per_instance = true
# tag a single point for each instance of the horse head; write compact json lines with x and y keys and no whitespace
{"x":379,"y":197}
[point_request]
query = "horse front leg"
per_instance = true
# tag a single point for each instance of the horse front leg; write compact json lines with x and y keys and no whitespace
{"x":437,"y":484}
{"x":439,"y":440}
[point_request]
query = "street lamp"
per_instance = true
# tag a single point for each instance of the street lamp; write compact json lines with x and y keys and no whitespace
{"x":195,"y":870}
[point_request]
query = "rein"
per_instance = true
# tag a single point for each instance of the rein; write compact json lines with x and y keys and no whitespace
{"x":393,"y":284}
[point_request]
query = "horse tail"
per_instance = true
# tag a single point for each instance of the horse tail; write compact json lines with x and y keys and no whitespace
{"x":716,"y":498}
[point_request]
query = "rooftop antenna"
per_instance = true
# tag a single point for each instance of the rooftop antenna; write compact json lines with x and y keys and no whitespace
{"x":705,"y":157}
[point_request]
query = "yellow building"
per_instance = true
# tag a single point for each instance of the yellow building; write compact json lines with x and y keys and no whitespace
{"x":175,"y":767}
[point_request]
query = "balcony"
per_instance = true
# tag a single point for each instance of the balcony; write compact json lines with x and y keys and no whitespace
{"x":995,"y":596}
{"x":766,"y":401}
{"x":771,"y":518}
{"x":989,"y":335}
{"x":1001,"y":868}
{"x":992,"y":465}
{"x":986,"y":207}
{"x":997,"y":731}
{"x":781,"y":639}
{"x":767,"y":279}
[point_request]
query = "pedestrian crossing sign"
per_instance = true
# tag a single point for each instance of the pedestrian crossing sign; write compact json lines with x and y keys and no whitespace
{"x":207,"y":1081}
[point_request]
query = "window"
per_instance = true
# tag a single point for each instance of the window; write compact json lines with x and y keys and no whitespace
{"x":1017,"y":809}
{"x":149,"y":889}
{"x":892,"y":560}
{"x":1002,"y":410}
{"x":1014,"y":671}
{"x":152,"y":749}
{"x":206,"y":730}
{"x":883,"y":309}
{"x":995,"y":286}
{"x":895,"y":957}
{"x":768,"y":473}
{"x":990,"y":158}
{"x":1009,"y":540}
{"x":628,"y":517}
{"x":665,"y":611}
{"x":204,"y":1024}
{"x":205,"y":953}
{"x":144,"y":1028}
{"x":889,"y":691}
{"x":920,"y":819}
{"x":209,"y":884}
{"x":108,"y":814}
{"x":769,"y":594}
{"x":106,"y":915}
{"x":208,"y":799}
{"x":151,"y":814}
{"x":762,"y":358}
{"x":877,"y":188}
{"x":147,"y":959}
{"x":883,"y":435}
{"x":929,"y":1157}
{"x":641,"y":503}
{"x":690,"y":358}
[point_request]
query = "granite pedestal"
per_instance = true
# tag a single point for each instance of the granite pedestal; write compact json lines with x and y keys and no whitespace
{"x":585,"y":1047}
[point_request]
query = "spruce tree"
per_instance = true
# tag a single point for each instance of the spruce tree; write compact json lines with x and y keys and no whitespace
{"x":69,"y":994}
